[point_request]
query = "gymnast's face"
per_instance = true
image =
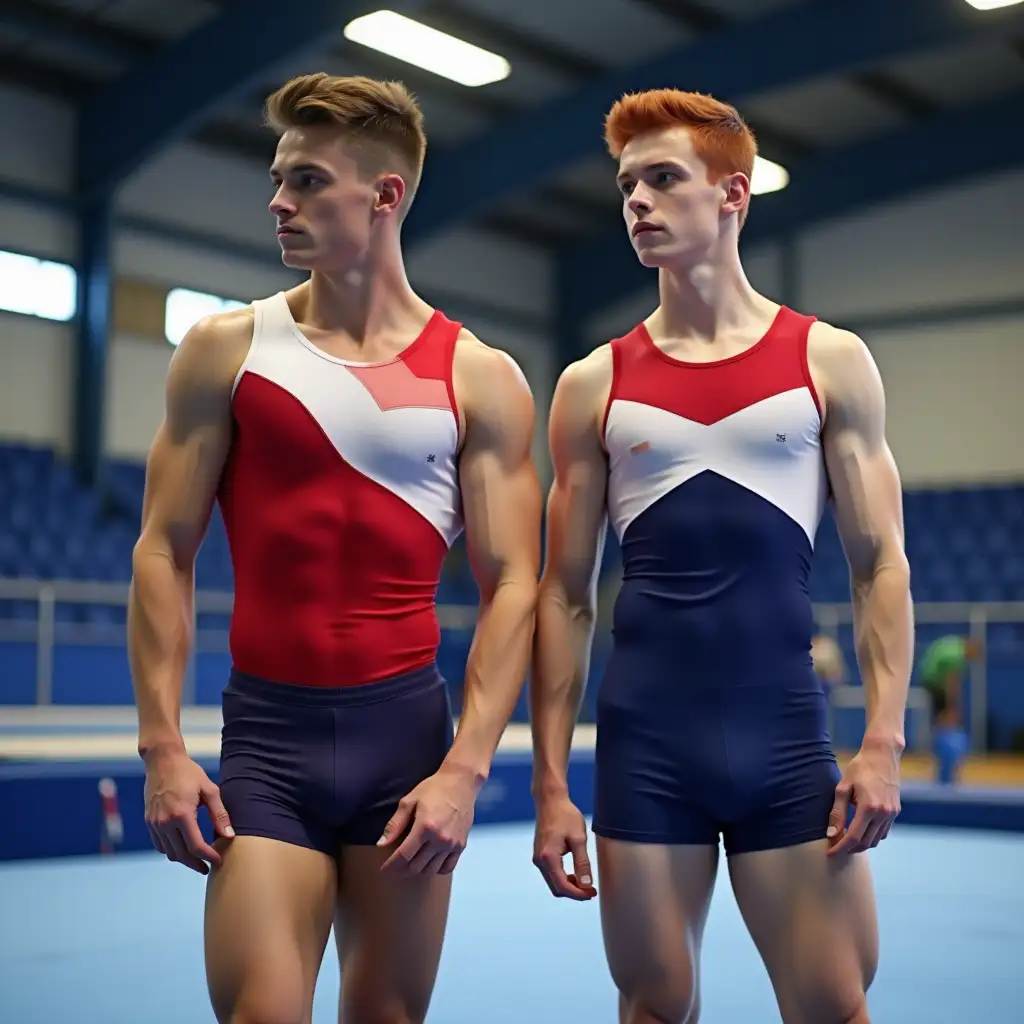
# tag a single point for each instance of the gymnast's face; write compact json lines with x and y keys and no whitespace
{"x":674,"y":214}
{"x":331,"y":198}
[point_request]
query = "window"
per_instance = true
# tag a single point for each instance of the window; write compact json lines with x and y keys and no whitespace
{"x":185,"y":307}
{"x":37,"y":287}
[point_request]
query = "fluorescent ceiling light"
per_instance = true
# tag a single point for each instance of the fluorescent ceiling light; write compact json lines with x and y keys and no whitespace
{"x":426,"y":48}
{"x":991,"y":5}
{"x":767,"y":177}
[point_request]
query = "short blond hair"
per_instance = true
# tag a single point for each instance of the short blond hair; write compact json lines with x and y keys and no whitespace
{"x":381,"y":117}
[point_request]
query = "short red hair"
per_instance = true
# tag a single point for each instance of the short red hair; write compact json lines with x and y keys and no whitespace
{"x":720,"y":136}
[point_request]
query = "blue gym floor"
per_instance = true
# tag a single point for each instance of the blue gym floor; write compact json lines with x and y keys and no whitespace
{"x":119,"y":941}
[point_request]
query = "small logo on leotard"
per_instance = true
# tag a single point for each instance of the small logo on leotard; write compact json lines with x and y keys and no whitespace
{"x":781,"y":438}
{"x":430,"y":458}
{"x":640,"y":448}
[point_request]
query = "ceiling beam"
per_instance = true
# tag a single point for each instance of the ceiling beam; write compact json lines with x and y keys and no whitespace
{"x":828,"y":37}
{"x":171,"y":94}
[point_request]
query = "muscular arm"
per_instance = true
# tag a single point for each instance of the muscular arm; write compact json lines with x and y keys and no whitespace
{"x":182,"y":473}
{"x":868,"y":504}
{"x":567,"y":605}
{"x":501,"y":504}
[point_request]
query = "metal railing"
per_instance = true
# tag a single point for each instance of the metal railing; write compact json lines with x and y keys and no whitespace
{"x":46,"y":632}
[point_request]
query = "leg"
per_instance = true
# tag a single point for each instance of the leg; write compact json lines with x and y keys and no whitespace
{"x":269,"y":909}
{"x":390,"y":931}
{"x":654,"y":903}
{"x":813,"y":921}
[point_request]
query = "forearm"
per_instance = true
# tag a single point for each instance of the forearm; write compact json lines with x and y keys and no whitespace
{"x":497,"y":665}
{"x":884,"y":629}
{"x":561,"y":666}
{"x":160,"y":621}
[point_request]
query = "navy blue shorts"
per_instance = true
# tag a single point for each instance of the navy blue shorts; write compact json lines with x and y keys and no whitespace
{"x":745,"y":764}
{"x":325,"y":767}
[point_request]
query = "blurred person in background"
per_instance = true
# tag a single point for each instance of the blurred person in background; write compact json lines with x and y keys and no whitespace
{"x":942,"y":671}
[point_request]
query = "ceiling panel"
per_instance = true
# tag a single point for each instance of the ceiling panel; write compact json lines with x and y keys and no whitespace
{"x":963,"y":75}
{"x":828,"y":112}
{"x":614,"y":32}
{"x":77,"y":60}
{"x":77,"y":6}
{"x":742,"y":9}
{"x":160,"y":19}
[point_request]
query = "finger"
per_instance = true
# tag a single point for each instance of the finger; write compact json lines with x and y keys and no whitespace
{"x":218,"y":812}
{"x":840,"y":810}
{"x":197,"y":846}
{"x":586,"y":892}
{"x":177,"y":843}
{"x":407,"y":850}
{"x":154,"y":837}
{"x":448,"y":864}
{"x":553,"y":870}
{"x":545,"y":864}
{"x":850,"y":842}
{"x":886,"y":825}
{"x":580,"y":864}
{"x":873,"y":834}
{"x":430,"y":851}
{"x":400,"y":821}
{"x":436,"y":862}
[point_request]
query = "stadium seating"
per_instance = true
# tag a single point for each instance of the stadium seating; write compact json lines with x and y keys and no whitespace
{"x":964,"y":545}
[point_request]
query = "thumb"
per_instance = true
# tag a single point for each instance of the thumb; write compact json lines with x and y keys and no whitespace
{"x":581,"y":863}
{"x":398,"y":824}
{"x":840,"y":809}
{"x":218,"y":813}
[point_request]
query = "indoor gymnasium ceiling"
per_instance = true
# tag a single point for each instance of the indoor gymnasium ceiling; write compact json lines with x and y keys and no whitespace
{"x":572,"y":55}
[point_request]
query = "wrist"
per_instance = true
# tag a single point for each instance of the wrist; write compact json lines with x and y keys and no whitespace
{"x":549,"y":786}
{"x":474,"y":770}
{"x":889,"y":740}
{"x":152,"y":747}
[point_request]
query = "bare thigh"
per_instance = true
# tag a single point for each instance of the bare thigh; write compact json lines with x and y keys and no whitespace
{"x":814,"y":923}
{"x":269,"y":909}
{"x":390,"y":931}
{"x":654,"y":903}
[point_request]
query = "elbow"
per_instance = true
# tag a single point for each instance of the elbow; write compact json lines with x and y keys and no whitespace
{"x":155,"y":552}
{"x":576,"y":604}
{"x":889,"y":564}
{"x":893,"y":562}
{"x":521,"y":587}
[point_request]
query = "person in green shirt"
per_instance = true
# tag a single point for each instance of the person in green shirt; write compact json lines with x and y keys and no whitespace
{"x":941,"y":671}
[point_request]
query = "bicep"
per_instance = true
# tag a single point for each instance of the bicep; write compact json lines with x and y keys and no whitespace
{"x":866,"y":489}
{"x":186,"y":458}
{"x":576,"y":520}
{"x":500,"y":490}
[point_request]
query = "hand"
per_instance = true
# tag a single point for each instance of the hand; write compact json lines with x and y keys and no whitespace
{"x":561,"y":829}
{"x":871,"y":783}
{"x":440,"y":811}
{"x":175,"y":787}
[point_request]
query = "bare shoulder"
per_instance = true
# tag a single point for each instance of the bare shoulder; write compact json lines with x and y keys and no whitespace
{"x":214,"y":349}
{"x":842,"y":367}
{"x":478,"y":361}
{"x":581,"y":393}
{"x":489,"y":380}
